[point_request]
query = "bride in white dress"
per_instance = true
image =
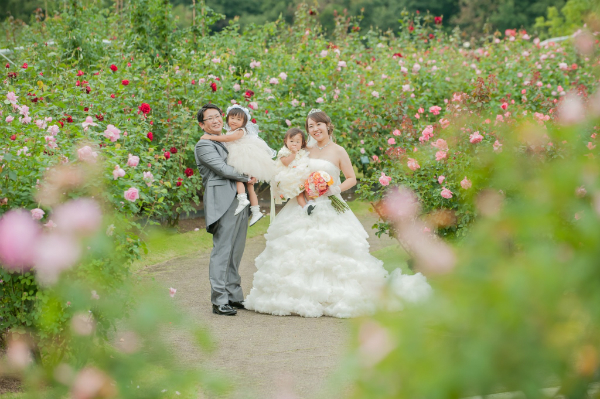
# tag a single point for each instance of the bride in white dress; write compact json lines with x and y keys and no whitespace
{"x":319,"y":264}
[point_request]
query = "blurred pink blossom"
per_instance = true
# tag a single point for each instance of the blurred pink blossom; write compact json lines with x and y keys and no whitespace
{"x":426,"y":134}
{"x":571,"y":110}
{"x":342,"y":64}
{"x":362,"y":150}
{"x":11,"y":97}
{"x":384,"y":180}
{"x":590,"y":145}
{"x":274,"y":81}
{"x":148,"y":178}
{"x":323,"y":53}
{"x":18,"y":235}
{"x":391,"y":141}
{"x":440,"y":155}
{"x":51,"y":142}
{"x":375,"y":343}
{"x":580,"y":191}
{"x":446,"y":193}
{"x":253,"y":105}
{"x":413,"y":164}
{"x":37,"y":214}
{"x":172,"y":292}
{"x":53,"y":254}
{"x":320,"y":100}
{"x":375,"y":94}
{"x":435,"y":110}
{"x":112,"y":133}
{"x":132,"y":194}
{"x":86,"y":154}
{"x":9,"y":119}
{"x":90,"y":383}
{"x":88,"y":122}
{"x":440,"y":144}
{"x":236,"y":87}
{"x":396,"y":132}
{"x":79,"y":217}
{"x":441,"y":179}
{"x":283,"y":76}
{"x":444,"y":123}
{"x":465,"y":183}
{"x":497,"y":146}
{"x":18,"y":354}
{"x":118,"y":172}
{"x":133,"y":160}
{"x":288,"y":122}
{"x":475,"y":138}
{"x":50,"y":224}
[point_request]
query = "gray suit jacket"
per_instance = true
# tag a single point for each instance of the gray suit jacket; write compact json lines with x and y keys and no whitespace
{"x":218,"y":180}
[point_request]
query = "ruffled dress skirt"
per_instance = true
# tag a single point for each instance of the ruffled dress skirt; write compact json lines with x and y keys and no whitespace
{"x":251,"y":156}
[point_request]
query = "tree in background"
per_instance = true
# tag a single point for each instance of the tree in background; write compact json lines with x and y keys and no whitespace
{"x":567,"y":20}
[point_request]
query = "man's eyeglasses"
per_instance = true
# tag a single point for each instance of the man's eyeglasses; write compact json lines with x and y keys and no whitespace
{"x":212,"y":118}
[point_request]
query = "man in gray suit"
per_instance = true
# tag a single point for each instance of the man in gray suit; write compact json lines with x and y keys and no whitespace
{"x":228,"y":230}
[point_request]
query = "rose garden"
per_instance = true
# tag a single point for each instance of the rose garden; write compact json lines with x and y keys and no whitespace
{"x":478,"y":156}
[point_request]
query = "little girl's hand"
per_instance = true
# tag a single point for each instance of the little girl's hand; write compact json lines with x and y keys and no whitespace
{"x":206,"y":137}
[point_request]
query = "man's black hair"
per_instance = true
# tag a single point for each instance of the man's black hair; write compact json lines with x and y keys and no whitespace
{"x":200,"y":114}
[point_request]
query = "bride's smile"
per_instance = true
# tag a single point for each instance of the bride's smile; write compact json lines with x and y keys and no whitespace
{"x":318,"y":130}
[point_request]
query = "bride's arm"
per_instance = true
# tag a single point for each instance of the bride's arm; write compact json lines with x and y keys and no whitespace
{"x":347,"y":169}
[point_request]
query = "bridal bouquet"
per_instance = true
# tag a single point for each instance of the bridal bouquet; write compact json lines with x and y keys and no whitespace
{"x":317,"y":184}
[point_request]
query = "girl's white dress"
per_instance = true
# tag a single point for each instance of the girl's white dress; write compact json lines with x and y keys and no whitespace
{"x":289,"y":180}
{"x":251,"y":156}
{"x":319,"y":264}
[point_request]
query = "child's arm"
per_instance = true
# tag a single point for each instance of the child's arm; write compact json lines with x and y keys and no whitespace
{"x":224,"y":138}
{"x":288,"y":159}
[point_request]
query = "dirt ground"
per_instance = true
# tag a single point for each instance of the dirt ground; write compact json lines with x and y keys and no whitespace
{"x":266,"y":356}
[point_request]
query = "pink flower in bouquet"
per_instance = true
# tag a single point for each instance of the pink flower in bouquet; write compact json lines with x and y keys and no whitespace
{"x":475,"y":138}
{"x":466,"y":183}
{"x":133,"y":161}
{"x":413,"y":164}
{"x":317,"y":184}
{"x":384,"y":180}
{"x":446,"y":193}
{"x":132,"y":194}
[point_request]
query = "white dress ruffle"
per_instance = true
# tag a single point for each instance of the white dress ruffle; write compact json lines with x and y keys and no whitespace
{"x":289,"y":180}
{"x":319,"y":264}
{"x":251,"y":156}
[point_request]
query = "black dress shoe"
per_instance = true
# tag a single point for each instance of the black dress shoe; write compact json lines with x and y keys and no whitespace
{"x":224,"y":310}
{"x":239,"y":305}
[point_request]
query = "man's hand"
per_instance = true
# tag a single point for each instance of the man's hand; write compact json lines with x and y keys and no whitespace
{"x":206,"y":137}
{"x":252,"y":180}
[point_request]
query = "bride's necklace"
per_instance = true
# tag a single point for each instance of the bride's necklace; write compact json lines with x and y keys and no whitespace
{"x":320,"y":148}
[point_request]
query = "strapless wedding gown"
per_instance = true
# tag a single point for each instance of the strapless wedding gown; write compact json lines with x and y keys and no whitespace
{"x":319,"y":264}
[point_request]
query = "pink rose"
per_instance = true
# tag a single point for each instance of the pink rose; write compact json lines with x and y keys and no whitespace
{"x":37,"y":214}
{"x":375,"y":94}
{"x":53,"y":130}
{"x":172,"y":292}
{"x":444,"y":123}
{"x":413,"y":164}
{"x":440,"y":144}
{"x":283,"y":75}
{"x":440,"y":155}
{"x":133,"y":161}
{"x":401,"y":203}
{"x":53,"y":254}
{"x":236,"y":87}
{"x":148,"y":178}
{"x":391,"y":141}
{"x":11,"y":97}
{"x":89,"y":121}
{"x":384,"y":180}
{"x":274,"y":81}
{"x":441,"y":179}
{"x":320,"y":100}
{"x":466,"y":183}
{"x":132,"y":194}
{"x":396,"y":132}
{"x":446,"y":193}
{"x":426,"y":134}
{"x":18,"y":235}
{"x":118,"y":172}
{"x":497,"y":146}
{"x":112,"y":133}
{"x":504,"y":106}
{"x":9,"y":119}
{"x":475,"y":138}
{"x":288,"y":122}
{"x":435,"y":110}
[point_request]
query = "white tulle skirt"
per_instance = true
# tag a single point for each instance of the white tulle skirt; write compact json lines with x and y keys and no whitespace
{"x":319,"y":264}
{"x":251,"y":156}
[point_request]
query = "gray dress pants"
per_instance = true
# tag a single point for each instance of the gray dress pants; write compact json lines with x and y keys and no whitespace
{"x":229,"y":241}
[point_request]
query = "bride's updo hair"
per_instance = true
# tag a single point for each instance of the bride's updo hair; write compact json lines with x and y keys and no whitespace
{"x":320,"y":116}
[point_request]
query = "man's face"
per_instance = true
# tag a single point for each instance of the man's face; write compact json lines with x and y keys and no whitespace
{"x":213,"y":121}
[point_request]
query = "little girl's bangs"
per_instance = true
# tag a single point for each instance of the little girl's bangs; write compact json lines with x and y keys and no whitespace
{"x":238,"y":112}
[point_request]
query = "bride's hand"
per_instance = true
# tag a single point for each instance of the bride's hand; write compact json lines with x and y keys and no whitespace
{"x":333,"y":190}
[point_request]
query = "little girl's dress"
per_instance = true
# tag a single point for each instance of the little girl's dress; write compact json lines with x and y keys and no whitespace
{"x":289,"y":180}
{"x":251,"y":156}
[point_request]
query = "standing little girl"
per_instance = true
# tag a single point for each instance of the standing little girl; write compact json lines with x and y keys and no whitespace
{"x":292,"y":169}
{"x":248,"y":154}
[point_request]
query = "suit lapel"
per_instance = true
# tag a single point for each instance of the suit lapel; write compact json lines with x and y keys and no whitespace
{"x":222,"y":146}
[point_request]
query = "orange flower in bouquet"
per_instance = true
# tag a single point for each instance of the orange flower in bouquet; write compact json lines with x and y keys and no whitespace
{"x":317,"y":184}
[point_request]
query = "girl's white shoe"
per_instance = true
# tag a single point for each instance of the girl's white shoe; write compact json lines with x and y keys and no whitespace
{"x":256,"y":214}
{"x":242,"y":203}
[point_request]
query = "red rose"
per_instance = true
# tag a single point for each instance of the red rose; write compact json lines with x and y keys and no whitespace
{"x":355,"y":28}
{"x":61,"y":123}
{"x":266,"y":111}
{"x":437,"y":20}
{"x":253,"y":120}
{"x":145,"y":108}
{"x":167,"y":155}
{"x":25,"y":66}
{"x":113,"y":67}
{"x":69,"y":119}
{"x":248,"y":93}
{"x":193,"y":81}
{"x":14,"y":137}
{"x":34,"y":100}
{"x":80,"y":73}
{"x":100,"y":117}
{"x":7,"y":65}
{"x":112,"y":96}
{"x":431,"y":36}
{"x":173,"y":150}
{"x":88,"y":89}
{"x":78,"y":83}
{"x":189,"y":172}
{"x":574,"y":66}
{"x":150,"y":136}
{"x":124,"y":82}
{"x":178,"y":184}
{"x":397,"y":55}
{"x":12,"y":74}
{"x":411,"y":28}
{"x":213,"y":86}
{"x":86,"y":109}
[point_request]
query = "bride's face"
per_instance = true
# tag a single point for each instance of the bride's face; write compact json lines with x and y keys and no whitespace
{"x":318,"y":130}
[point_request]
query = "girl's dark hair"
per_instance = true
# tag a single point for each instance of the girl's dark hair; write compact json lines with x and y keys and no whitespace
{"x":320,"y":116}
{"x":294,"y":132}
{"x":237,"y":112}
{"x":200,"y":114}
